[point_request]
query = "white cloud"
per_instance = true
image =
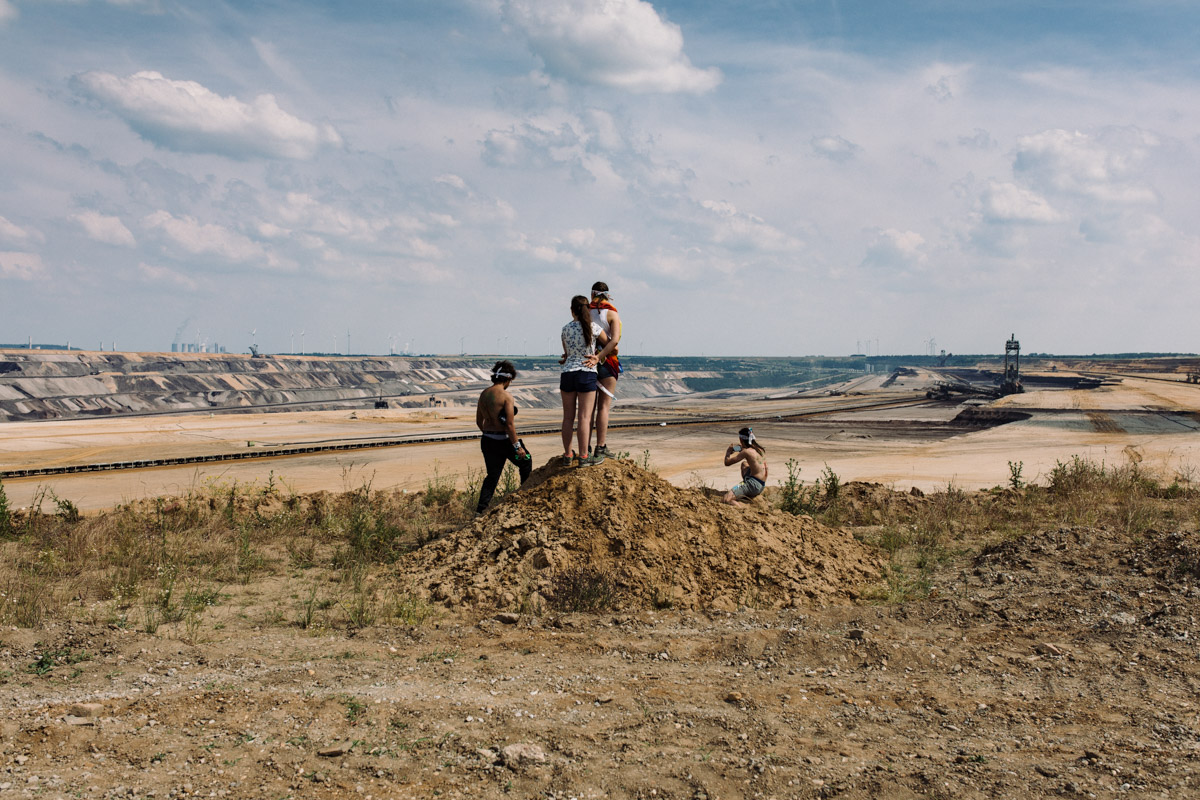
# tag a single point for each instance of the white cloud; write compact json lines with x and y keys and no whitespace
{"x":893,"y":249}
{"x":279,"y":65}
{"x":835,"y":148}
{"x":1075,"y":163}
{"x":156,"y":274}
{"x":737,"y":230}
{"x":1007,"y":202}
{"x":199,"y":238}
{"x":7,"y":11}
{"x":301,"y":209}
{"x":186,"y":116}
{"x":11,"y":232}
{"x":109,"y":230}
{"x":623,"y":44}
{"x":21,"y":266}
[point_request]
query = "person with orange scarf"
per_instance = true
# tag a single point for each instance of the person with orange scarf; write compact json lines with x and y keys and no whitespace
{"x":608,"y":368}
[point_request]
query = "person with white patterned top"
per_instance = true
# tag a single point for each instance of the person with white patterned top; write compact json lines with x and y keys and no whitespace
{"x":577,"y":384}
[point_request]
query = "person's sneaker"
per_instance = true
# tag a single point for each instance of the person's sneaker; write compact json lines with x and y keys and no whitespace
{"x":602,"y":450}
{"x":599,"y":456}
{"x":566,"y":460}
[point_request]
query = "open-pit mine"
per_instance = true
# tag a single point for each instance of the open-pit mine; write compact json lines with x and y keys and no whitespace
{"x":243,"y":576}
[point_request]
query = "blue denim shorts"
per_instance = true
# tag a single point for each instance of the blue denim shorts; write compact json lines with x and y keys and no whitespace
{"x":604,"y":371}
{"x":582,"y":380}
{"x":749,"y":487}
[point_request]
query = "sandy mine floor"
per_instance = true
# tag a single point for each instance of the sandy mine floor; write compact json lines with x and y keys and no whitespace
{"x":1141,"y":420}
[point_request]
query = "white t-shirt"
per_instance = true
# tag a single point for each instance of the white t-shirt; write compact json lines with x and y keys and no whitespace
{"x":577,"y":350}
{"x":600,"y":317}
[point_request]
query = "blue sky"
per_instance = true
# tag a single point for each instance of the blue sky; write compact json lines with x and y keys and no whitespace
{"x":753,"y":178}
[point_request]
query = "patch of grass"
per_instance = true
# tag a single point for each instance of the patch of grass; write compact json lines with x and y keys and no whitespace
{"x":6,"y":516}
{"x":47,"y":660}
{"x":359,"y":604}
{"x":410,"y":609}
{"x":439,"y":489}
{"x":355,"y":708}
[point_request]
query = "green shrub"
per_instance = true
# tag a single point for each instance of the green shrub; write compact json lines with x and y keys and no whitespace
{"x":7,"y":528}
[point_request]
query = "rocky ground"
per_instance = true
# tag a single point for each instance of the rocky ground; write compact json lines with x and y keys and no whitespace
{"x":1062,"y":662}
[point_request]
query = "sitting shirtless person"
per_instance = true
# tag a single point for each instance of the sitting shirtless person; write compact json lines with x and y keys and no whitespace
{"x":754,"y":467}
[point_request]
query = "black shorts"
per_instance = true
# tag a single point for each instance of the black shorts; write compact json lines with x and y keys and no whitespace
{"x":583,"y":381}
{"x":602,"y":371}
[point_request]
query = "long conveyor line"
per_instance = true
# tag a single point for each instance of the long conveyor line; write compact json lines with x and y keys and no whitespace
{"x":299,"y":448}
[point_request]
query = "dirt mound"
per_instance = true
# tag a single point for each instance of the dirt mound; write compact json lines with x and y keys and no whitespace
{"x":617,"y":536}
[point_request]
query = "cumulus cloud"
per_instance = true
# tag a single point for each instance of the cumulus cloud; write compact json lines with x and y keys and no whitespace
{"x":1082,"y":165}
{"x":589,"y":148}
{"x":198,"y":238}
{"x":835,"y":148}
{"x":530,"y":146}
{"x":1007,"y":202}
{"x":15,"y":234}
{"x":164,"y":275}
{"x":109,"y":230}
{"x":526,"y":255}
{"x":20,"y":266}
{"x":737,"y":230}
{"x":893,"y":249}
{"x":624,"y":44}
{"x":186,"y":116}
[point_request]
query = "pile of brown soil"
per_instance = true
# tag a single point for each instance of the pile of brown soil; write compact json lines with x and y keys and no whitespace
{"x":621,"y":537}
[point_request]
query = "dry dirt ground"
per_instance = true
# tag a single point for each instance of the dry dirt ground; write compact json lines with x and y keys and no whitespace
{"x":744,"y":653}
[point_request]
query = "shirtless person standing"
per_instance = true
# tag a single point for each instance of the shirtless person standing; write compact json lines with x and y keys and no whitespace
{"x":496,"y":417}
{"x":754,"y":467}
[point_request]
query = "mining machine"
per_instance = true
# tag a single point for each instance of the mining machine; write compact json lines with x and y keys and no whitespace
{"x":1011,"y":382}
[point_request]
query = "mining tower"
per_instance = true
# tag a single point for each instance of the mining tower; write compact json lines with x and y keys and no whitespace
{"x":1011,"y":383}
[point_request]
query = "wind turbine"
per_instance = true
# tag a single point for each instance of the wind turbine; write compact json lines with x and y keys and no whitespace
{"x":301,"y":341}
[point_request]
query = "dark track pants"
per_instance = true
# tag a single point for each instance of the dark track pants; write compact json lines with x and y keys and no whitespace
{"x":496,"y":452}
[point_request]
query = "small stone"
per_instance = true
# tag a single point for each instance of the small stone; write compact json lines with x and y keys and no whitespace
{"x":340,"y":749}
{"x":488,"y":755}
{"x":1124,"y":618}
{"x":522,"y":754}
{"x":71,"y":719}
{"x":1047,"y":649}
{"x":856,"y":634}
{"x":605,"y":698}
{"x":733,"y":697}
{"x":85,"y":709}
{"x":508,"y":618}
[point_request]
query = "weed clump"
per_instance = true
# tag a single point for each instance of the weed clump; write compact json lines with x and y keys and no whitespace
{"x":584,"y":589}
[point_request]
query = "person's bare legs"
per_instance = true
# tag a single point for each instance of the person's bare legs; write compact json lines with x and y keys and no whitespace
{"x":586,"y":401}
{"x":603,"y":405}
{"x":568,"y":425}
{"x":731,"y":499}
